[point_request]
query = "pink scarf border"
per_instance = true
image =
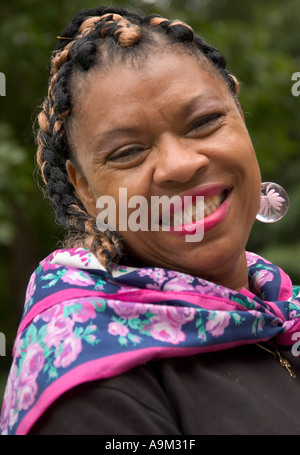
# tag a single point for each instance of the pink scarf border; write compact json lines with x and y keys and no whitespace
{"x":104,"y":368}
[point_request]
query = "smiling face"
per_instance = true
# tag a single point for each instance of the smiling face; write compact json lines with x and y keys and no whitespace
{"x":170,"y":127}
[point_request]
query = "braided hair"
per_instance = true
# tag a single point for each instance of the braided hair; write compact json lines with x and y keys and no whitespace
{"x":93,"y":35}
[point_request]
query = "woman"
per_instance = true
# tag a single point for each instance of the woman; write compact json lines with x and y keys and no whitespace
{"x":170,"y":324}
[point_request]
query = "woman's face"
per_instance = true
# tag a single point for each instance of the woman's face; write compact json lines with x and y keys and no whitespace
{"x":169,"y":127}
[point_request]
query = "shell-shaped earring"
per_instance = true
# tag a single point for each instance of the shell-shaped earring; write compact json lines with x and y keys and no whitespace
{"x":274,"y":203}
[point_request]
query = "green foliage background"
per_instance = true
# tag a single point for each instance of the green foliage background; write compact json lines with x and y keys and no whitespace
{"x":261,"y":42}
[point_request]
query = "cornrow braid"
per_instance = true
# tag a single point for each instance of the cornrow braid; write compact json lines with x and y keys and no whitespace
{"x":92,"y":34}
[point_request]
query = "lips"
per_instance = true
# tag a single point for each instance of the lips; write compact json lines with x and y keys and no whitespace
{"x":192,"y":212}
{"x":207,"y":204}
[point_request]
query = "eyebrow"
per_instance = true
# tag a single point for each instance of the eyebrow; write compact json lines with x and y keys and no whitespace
{"x":189,"y":108}
{"x":112,"y":134}
{"x":184,"y":111}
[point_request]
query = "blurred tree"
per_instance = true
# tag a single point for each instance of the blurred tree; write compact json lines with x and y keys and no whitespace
{"x":260,"y":41}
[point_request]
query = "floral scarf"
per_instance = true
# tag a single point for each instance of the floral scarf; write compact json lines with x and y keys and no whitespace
{"x":82,"y":323}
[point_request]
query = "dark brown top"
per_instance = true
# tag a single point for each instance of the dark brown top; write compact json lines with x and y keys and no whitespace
{"x":240,"y":391}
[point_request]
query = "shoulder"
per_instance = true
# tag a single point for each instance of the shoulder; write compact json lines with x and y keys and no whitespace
{"x":184,"y":395}
{"x":132,"y":403}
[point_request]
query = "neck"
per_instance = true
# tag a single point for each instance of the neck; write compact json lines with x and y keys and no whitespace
{"x":233,"y":275}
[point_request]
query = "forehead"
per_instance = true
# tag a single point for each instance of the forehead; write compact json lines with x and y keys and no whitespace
{"x":158,"y":82}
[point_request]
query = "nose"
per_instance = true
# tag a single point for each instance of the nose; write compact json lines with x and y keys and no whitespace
{"x":178,"y":160}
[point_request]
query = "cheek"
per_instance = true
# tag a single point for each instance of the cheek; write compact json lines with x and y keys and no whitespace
{"x":105,"y":181}
{"x":256,"y":182}
{"x":247,"y":161}
{"x":252,"y":195}
{"x":122,"y":205}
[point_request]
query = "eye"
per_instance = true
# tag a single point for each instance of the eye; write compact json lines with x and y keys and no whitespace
{"x":205,"y":124}
{"x":129,"y":154}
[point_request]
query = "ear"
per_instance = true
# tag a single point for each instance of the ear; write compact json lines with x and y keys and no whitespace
{"x":236,"y":91}
{"x":82,"y":188}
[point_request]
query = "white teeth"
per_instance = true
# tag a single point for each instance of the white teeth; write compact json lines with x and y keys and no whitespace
{"x":177,"y":221}
{"x":188,"y":214}
{"x":194,"y":212}
{"x":216,"y":199}
{"x":199,"y":209}
{"x":207,"y":211}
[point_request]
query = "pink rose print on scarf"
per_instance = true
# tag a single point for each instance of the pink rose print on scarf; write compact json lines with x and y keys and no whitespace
{"x":252,"y":258}
{"x":18,"y":346}
{"x":33,"y":363}
{"x":50,"y":314}
{"x":217,"y":290}
{"x":58,"y":330}
{"x":85,"y":309}
{"x":30,"y":289}
{"x":127,"y":310}
{"x":77,"y":278}
{"x":261,"y":278}
{"x":71,"y":348}
{"x":46,"y":265}
{"x":156,"y":274}
{"x":166,"y":331}
{"x":9,"y":414}
{"x":217,"y":323}
{"x":117,"y":329}
{"x":26,"y":382}
{"x":259,"y":322}
{"x":26,"y":395}
{"x":179,"y":284}
{"x":166,"y":326}
{"x":176,"y":315}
